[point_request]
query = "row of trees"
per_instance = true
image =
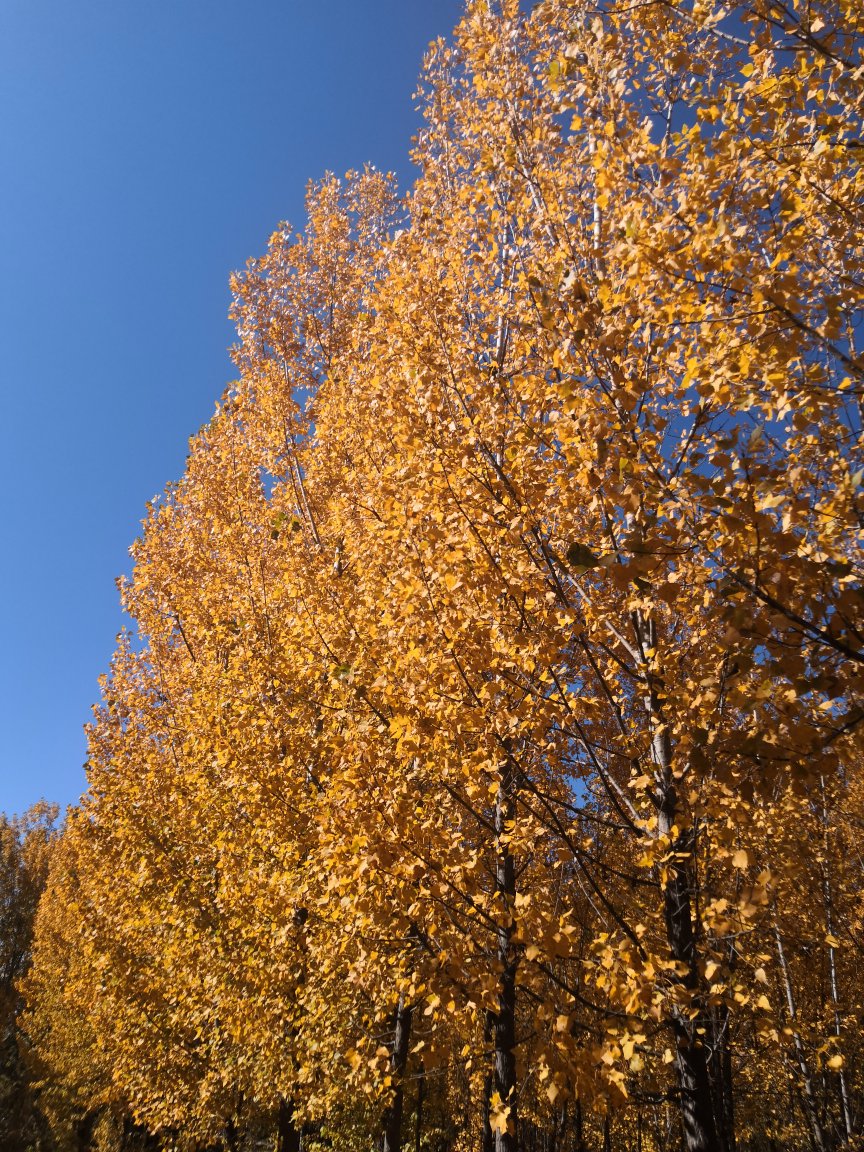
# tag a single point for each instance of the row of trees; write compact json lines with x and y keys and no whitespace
{"x":486,"y":768}
{"x":26,"y":844}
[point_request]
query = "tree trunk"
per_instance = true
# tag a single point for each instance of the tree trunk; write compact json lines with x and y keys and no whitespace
{"x":504,"y":1019}
{"x":691,"y":1056}
{"x":421,"y":1098}
{"x":288,"y":1134}
{"x":231,"y":1140}
{"x":808,"y":1098}
{"x":84,"y":1130}
{"x":398,"y":1059}
{"x":832,"y":963}
{"x":580,"y":1132}
{"x":692,"y":1036}
{"x":488,"y":1134}
{"x":720,"y":1074}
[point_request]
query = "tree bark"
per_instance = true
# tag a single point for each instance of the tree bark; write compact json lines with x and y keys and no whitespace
{"x":288,"y":1134}
{"x":832,"y":963}
{"x":691,"y":1053}
{"x":392,"y":1141}
{"x":720,"y":1074}
{"x":488,"y":1134}
{"x":580,"y":1132}
{"x":421,"y":1099}
{"x":504,"y":1019}
{"x":84,"y":1130}
{"x":698,"y":1123}
{"x":231,"y":1140}
{"x":808,"y":1098}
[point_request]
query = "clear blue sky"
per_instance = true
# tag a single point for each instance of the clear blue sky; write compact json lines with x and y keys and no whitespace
{"x":146,"y":150}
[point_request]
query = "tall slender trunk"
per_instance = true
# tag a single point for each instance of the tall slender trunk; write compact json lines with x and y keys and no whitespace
{"x":288,"y":1134}
{"x":488,"y":1134}
{"x":691,"y":1056}
{"x":580,"y":1131}
{"x":832,"y":963}
{"x":728,"y":1112}
{"x":559,"y":1125}
{"x":231,"y":1138}
{"x":838,"y":1030}
{"x":421,"y":1099}
{"x":504,"y":1018}
{"x":392,"y":1141}
{"x":808,"y":1098}
{"x":720,"y":1074}
{"x":691,"y":1034}
{"x":84,"y":1130}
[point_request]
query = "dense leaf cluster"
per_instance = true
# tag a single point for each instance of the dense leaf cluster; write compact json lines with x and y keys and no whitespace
{"x":485,"y":769}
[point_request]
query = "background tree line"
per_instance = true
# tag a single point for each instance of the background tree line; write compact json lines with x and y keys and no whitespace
{"x":485,"y":768}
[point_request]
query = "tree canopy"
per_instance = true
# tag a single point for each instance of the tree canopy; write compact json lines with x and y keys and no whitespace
{"x":484,"y":767}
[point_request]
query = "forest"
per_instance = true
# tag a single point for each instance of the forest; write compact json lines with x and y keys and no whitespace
{"x":483,"y":766}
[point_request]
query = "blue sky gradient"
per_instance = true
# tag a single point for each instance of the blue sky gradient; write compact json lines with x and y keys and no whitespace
{"x":147,"y":150}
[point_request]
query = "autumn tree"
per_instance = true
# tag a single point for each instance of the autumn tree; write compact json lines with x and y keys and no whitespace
{"x":487,"y":763}
{"x":26,"y":846}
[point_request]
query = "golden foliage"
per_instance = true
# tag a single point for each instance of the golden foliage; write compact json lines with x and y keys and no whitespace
{"x":493,"y":720}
